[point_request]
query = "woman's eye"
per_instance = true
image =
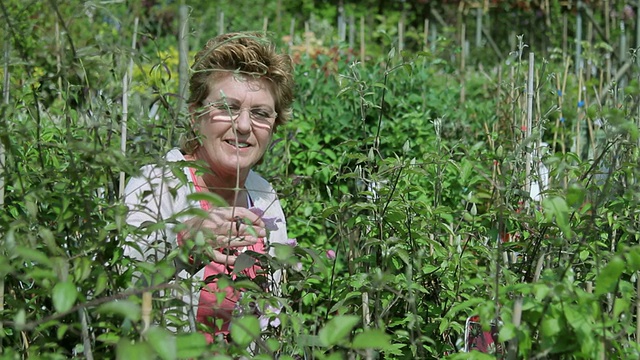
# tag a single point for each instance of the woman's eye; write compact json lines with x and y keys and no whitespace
{"x":261,"y":114}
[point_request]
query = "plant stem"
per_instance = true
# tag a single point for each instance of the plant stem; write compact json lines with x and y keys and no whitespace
{"x":86,"y":341}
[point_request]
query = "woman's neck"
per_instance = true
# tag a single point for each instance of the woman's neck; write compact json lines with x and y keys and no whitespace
{"x":229,"y":188}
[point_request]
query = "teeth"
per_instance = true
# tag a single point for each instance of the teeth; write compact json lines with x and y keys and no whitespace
{"x":238,"y":144}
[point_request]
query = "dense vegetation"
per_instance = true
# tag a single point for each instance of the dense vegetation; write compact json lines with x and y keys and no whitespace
{"x":407,"y":180}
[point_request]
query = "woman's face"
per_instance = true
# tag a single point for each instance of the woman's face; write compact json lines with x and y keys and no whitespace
{"x":236,"y":124}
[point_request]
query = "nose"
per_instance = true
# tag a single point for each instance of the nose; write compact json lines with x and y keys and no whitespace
{"x":243,"y":122}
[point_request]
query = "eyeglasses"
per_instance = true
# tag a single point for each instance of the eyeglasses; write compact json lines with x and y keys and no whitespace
{"x":225,"y":111}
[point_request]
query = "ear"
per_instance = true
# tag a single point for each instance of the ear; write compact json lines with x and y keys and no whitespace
{"x":193,"y":110}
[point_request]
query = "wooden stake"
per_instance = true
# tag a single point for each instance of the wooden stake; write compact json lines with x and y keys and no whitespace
{"x":126,"y":79}
{"x":183,"y":56}
{"x":512,"y":348}
{"x":279,"y":15}
{"x":362,"y":41}
{"x":221,"y":23}
{"x":292,"y":29}
{"x":478,"y":27}
{"x":463,"y":28}
{"x":425,"y":38}
{"x":607,"y":29}
{"x":265,"y":24}
{"x":3,"y":169}
{"x":529,"y":123}
{"x":58,"y":60}
{"x":638,"y":307}
{"x":352,"y":31}
{"x":565,"y":31}
{"x":578,"y":60}
{"x":401,"y":34}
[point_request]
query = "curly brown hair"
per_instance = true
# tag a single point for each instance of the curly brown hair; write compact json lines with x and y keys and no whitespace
{"x":249,"y":54}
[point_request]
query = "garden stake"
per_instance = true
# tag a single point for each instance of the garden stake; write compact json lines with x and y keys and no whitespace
{"x":512,"y":350}
{"x":221,"y":23}
{"x":58,"y":59}
{"x":463,"y":28}
{"x":529,"y":122}
{"x":183,"y":57}
{"x":578,"y":61}
{"x":362,"y":42}
{"x":5,"y":100}
{"x":576,"y":139}
{"x":565,"y":31}
{"x":125,"y":105}
{"x":352,"y":32}
{"x":265,"y":24}
{"x":292,"y":28}
{"x":637,"y":307}
{"x":607,"y":29}
{"x":425,"y":38}
{"x":478,"y":27}
{"x":86,"y":340}
{"x":401,"y":32}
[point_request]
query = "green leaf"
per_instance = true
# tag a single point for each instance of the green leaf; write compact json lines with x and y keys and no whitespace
{"x":556,"y":207}
{"x":162,"y":342}
{"x":609,"y":276}
{"x":371,"y":339}
{"x":127,"y":350}
{"x":337,"y":329}
{"x":507,"y":332}
{"x":550,"y":326}
{"x":190,"y":346}
{"x":214,"y":199}
{"x":244,"y":261}
{"x":108,"y":338}
{"x":125,"y":308}
{"x":20,"y":319}
{"x":244,"y":330}
{"x":64,"y":296}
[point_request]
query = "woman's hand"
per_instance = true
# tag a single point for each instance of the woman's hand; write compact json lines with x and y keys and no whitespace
{"x":225,"y":230}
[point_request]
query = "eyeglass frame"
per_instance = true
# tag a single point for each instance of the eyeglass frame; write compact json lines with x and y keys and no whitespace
{"x":232,"y":112}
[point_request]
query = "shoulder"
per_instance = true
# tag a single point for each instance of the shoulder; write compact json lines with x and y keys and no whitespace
{"x":159,"y":177}
{"x":255,"y":181}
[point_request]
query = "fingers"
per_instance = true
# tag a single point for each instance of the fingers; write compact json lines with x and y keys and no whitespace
{"x":233,"y":241}
{"x":220,"y":258}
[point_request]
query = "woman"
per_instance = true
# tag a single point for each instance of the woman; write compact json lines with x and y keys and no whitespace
{"x":241,"y":90}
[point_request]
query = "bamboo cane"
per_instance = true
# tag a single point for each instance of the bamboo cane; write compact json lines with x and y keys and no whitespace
{"x":607,"y":29}
{"x":86,"y":340}
{"x":578,"y":61}
{"x":5,"y":100}
{"x":425,"y":39}
{"x":221,"y":23}
{"x":512,"y":351}
{"x":352,"y":32}
{"x":529,"y":123}
{"x":478,"y":27}
{"x":576,"y":140}
{"x":183,"y":55}
{"x":401,"y":32}
{"x":637,"y":307}
{"x":565,"y":31}
{"x":125,"y":105}
{"x":463,"y":28}
{"x":292,"y":28}
{"x":362,"y":41}
{"x":58,"y":60}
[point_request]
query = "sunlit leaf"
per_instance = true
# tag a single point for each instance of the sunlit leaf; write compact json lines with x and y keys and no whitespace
{"x":64,"y":295}
{"x":337,"y":329}
{"x":371,"y":339}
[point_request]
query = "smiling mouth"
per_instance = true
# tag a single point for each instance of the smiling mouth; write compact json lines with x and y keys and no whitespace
{"x":237,"y":144}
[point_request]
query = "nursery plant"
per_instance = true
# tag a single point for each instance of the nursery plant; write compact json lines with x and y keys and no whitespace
{"x":409,"y":210}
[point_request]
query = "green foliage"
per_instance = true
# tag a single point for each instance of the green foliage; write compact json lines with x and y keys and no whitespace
{"x":420,"y":197}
